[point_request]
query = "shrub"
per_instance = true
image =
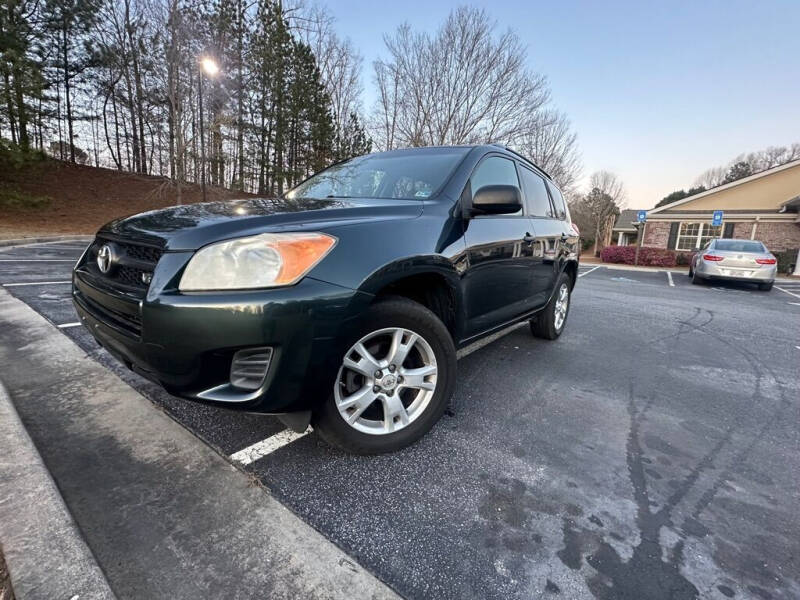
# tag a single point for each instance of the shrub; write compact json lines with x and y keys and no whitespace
{"x":653,"y":257}
{"x":618,"y":254}
{"x":14,"y":158}
{"x":786,"y":260}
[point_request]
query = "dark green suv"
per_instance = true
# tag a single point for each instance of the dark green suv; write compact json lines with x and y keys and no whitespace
{"x":344,"y":302}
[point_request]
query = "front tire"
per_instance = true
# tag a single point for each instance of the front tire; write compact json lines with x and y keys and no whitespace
{"x":396,"y":377}
{"x":549,"y":323}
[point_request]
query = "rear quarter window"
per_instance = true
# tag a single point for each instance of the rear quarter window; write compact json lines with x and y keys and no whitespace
{"x":558,"y":201}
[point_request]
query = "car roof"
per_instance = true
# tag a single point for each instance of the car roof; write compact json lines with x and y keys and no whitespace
{"x":467,"y":147}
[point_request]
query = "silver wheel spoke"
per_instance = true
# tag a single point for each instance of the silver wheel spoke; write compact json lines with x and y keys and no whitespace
{"x":359,"y":401}
{"x":366,"y":365}
{"x":415,"y":378}
{"x":400,"y":349}
{"x":395,"y":414}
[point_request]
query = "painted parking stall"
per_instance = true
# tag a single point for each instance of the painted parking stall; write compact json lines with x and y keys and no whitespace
{"x":610,"y":462}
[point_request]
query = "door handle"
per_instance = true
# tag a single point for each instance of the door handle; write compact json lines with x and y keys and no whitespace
{"x":529,"y":238}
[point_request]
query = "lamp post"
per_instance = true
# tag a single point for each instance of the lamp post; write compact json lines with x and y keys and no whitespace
{"x":210,"y":67}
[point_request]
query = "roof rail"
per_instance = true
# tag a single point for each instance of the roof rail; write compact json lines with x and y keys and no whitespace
{"x":523,"y":157}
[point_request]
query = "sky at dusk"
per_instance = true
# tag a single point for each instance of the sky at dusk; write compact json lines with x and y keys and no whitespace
{"x":657,"y":92}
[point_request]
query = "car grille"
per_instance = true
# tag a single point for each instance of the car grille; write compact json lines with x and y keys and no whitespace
{"x":135,"y":268}
{"x":115,"y":297}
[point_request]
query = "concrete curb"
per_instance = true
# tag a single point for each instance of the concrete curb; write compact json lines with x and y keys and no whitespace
{"x":45,"y":239}
{"x":44,"y":551}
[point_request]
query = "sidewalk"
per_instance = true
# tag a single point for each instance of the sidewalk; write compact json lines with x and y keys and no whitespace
{"x":163,"y":514}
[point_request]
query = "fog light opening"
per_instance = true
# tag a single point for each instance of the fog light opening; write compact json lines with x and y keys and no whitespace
{"x":249,"y":367}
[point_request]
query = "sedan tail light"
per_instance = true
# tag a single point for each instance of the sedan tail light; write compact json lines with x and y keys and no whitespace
{"x":712,"y":257}
{"x":766,"y":261}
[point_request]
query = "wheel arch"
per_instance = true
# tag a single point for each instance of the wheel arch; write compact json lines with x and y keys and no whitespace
{"x":571,"y":269}
{"x":434,"y":284}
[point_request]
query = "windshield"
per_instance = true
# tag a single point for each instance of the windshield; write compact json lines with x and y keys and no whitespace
{"x":739,"y":246}
{"x":405,"y":176}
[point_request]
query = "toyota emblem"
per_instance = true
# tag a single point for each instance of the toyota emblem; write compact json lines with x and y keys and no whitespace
{"x":105,"y":258}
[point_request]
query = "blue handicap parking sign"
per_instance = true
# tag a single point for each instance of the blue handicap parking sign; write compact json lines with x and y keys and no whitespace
{"x":641,"y":216}
{"x":716,"y":220}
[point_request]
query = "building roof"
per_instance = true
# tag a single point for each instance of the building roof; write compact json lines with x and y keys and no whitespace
{"x":725,"y":186}
{"x":626,"y":219}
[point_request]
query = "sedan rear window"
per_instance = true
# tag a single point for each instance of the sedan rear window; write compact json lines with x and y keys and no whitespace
{"x":412,"y":175}
{"x":739,"y":246}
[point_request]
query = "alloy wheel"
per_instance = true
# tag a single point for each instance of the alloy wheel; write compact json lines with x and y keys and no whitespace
{"x":562,"y":304}
{"x":386,"y":381}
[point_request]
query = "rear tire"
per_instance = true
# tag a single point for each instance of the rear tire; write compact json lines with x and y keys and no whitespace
{"x":397,"y":407}
{"x":550,"y":322}
{"x":765,"y":287}
{"x":697,"y":280}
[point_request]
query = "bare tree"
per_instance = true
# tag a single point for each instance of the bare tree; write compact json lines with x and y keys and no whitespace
{"x":548,"y":140}
{"x":609,"y":184}
{"x":756,"y":162}
{"x":464,"y":84}
{"x":711,"y":177}
{"x":596,"y":210}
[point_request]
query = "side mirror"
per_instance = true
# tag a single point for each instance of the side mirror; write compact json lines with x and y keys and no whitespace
{"x":496,"y":200}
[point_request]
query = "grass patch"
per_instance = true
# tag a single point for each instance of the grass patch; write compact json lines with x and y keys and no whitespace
{"x":11,"y":197}
{"x":14,"y":158}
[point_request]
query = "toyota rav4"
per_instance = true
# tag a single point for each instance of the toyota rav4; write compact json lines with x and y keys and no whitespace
{"x":343,"y":303}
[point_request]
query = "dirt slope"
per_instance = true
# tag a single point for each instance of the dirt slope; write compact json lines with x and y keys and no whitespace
{"x":78,"y":199}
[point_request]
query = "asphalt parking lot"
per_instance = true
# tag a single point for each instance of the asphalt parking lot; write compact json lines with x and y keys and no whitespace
{"x":652,"y":452}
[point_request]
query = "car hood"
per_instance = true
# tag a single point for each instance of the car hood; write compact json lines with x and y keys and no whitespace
{"x":192,"y":226}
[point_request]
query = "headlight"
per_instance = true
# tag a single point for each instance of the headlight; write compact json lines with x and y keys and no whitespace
{"x":260,"y":261}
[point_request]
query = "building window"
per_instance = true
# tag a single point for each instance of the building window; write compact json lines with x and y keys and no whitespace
{"x":695,"y":235}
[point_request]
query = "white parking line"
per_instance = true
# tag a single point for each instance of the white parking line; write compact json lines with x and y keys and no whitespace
{"x":787,"y":292}
{"x":35,"y":283}
{"x":68,"y":325}
{"x":589,"y":271}
{"x":69,"y":260}
{"x":245,"y":456}
{"x":669,"y":276}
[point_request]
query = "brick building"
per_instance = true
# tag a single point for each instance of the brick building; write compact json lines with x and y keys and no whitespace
{"x":763,"y":207}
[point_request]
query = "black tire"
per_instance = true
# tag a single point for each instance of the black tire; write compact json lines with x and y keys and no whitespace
{"x":543,"y":325}
{"x":407,"y":314}
{"x":765,"y":287}
{"x":697,"y":280}
{"x":691,"y":271}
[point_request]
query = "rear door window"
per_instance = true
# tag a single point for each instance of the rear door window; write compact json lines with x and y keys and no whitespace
{"x":558,"y":201}
{"x":537,"y":201}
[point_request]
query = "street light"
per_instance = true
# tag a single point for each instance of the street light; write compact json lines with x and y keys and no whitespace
{"x":210,"y":67}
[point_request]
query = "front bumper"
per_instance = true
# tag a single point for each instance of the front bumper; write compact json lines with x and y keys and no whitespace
{"x":757,"y":274}
{"x":185,"y":341}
